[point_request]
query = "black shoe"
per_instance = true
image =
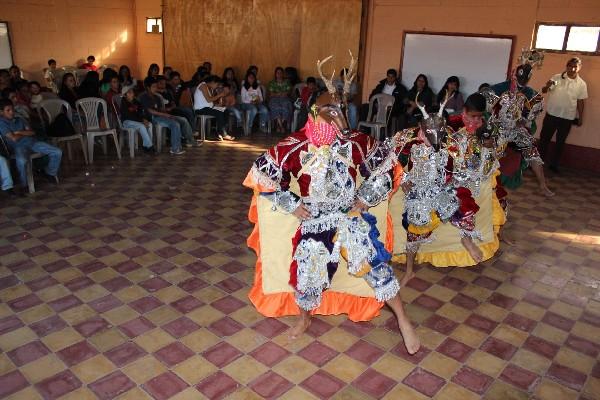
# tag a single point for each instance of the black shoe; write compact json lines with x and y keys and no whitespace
{"x":13,"y":193}
{"x":51,"y":179}
{"x":554,"y":169}
{"x":149,"y":150}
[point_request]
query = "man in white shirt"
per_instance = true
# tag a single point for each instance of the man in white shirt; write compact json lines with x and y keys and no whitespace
{"x":564,"y":107}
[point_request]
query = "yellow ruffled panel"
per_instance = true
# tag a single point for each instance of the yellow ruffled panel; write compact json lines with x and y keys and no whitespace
{"x":430,"y":227}
{"x":452,"y":258}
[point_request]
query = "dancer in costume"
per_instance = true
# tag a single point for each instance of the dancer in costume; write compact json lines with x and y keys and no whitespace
{"x":519,"y":105}
{"x":327,"y":161}
{"x":436,"y":186}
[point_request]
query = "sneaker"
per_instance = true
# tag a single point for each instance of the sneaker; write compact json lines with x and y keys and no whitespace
{"x":228,"y":137}
{"x":177,"y":152}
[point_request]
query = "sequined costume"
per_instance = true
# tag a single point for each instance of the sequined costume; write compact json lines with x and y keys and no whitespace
{"x":327,"y":178}
{"x":438,"y":191}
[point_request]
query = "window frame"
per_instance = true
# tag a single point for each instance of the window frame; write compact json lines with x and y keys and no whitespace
{"x":564,"y":50}
{"x":154,"y":18}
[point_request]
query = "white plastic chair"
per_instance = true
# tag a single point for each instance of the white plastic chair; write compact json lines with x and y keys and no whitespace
{"x":202,"y":121}
{"x":377,"y":122}
{"x":48,"y":110}
{"x":91,"y":109}
{"x":132,"y":138}
{"x":297,"y":92}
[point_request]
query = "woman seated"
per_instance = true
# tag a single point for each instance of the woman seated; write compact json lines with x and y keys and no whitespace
{"x":125,"y":77}
{"x":205,"y":97}
{"x":68,"y":90}
{"x":107,"y":77}
{"x":253,"y":102}
{"x":451,"y":90}
{"x":90,"y":87}
{"x":280,"y":103}
{"x":153,"y":70}
{"x":425,"y":95}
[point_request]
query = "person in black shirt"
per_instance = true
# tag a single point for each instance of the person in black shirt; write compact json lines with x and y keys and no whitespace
{"x":133,"y":116}
{"x":184,"y":116}
{"x":426,"y":97}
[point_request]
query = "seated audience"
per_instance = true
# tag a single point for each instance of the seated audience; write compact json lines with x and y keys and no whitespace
{"x":184,"y":117}
{"x":90,"y":86}
{"x":280,"y":103}
{"x":6,"y":182}
{"x":68,"y":90}
{"x":291,"y":74}
{"x":252,"y":101}
{"x":20,"y":140}
{"x":208,"y":67}
{"x":89,"y":65}
{"x":205,"y":97}
{"x":452,"y":90}
{"x":167,"y":71}
{"x":153,"y":105}
{"x":133,"y":116}
{"x":114,"y":89}
{"x":107,"y":75}
{"x":15,"y":76}
{"x":426,"y":97}
{"x":352,"y":110}
{"x":4,"y":79}
{"x":153,"y":70}
{"x":308,"y":96}
{"x":393,"y":86}
{"x":484,"y":85}
{"x":125,"y":76}
{"x":35,"y":91}
{"x":229,"y":78}
{"x":50,"y":77}
{"x":20,"y":110}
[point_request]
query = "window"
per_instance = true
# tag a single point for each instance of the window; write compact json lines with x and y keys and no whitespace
{"x":6,"y":59}
{"x":565,"y":38}
{"x":154,"y":25}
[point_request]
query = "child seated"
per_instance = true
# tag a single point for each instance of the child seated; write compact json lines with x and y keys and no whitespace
{"x":20,"y":140}
{"x":134,"y":117}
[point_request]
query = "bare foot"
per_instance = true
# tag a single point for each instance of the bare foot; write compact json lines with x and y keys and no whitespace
{"x":300,"y":327}
{"x":406,"y":278}
{"x":473,"y":249}
{"x":547,"y":192}
{"x":411,"y":339}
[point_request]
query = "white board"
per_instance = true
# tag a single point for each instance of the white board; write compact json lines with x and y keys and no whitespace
{"x":5,"y":51}
{"x":474,"y":60}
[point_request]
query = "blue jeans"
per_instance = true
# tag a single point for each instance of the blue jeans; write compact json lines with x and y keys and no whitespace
{"x":185,"y":128}
{"x":22,"y":157}
{"x":254,"y":109}
{"x":141,"y":128}
{"x":173,"y":126}
{"x":5,"y":176}
{"x":237,"y":114}
{"x":352,"y":115}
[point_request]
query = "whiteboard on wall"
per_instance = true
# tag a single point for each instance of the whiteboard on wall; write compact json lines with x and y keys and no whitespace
{"x":473,"y":59}
{"x":5,"y":51}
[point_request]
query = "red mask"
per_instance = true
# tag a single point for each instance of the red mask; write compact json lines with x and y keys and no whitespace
{"x":471,"y":123}
{"x":320,"y":133}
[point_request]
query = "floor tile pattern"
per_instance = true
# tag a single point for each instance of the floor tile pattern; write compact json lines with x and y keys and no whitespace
{"x":130,"y":281}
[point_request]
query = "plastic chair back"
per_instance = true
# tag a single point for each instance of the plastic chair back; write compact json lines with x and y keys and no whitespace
{"x":93,"y":109}
{"x":384,"y":102}
{"x":49,"y":109}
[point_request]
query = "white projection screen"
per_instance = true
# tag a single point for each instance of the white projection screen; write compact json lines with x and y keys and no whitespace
{"x":5,"y":51}
{"x":473,"y":59}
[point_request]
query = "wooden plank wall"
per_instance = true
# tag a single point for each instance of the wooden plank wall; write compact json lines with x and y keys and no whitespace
{"x":267,"y":33}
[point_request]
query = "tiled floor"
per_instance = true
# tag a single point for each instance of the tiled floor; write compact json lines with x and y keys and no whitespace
{"x":130,"y":282}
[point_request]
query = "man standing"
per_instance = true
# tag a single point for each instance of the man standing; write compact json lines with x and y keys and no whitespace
{"x":564,"y":107}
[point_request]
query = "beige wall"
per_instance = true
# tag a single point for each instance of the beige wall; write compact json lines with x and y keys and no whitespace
{"x":267,"y":33}
{"x":149,"y":45}
{"x":388,"y":19}
{"x":69,"y":31}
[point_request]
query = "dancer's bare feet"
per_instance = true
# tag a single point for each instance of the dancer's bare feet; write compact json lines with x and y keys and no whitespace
{"x":300,"y":327}
{"x":408,"y":275}
{"x":546,"y":192}
{"x":411,"y":339}
{"x":473,"y":249}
